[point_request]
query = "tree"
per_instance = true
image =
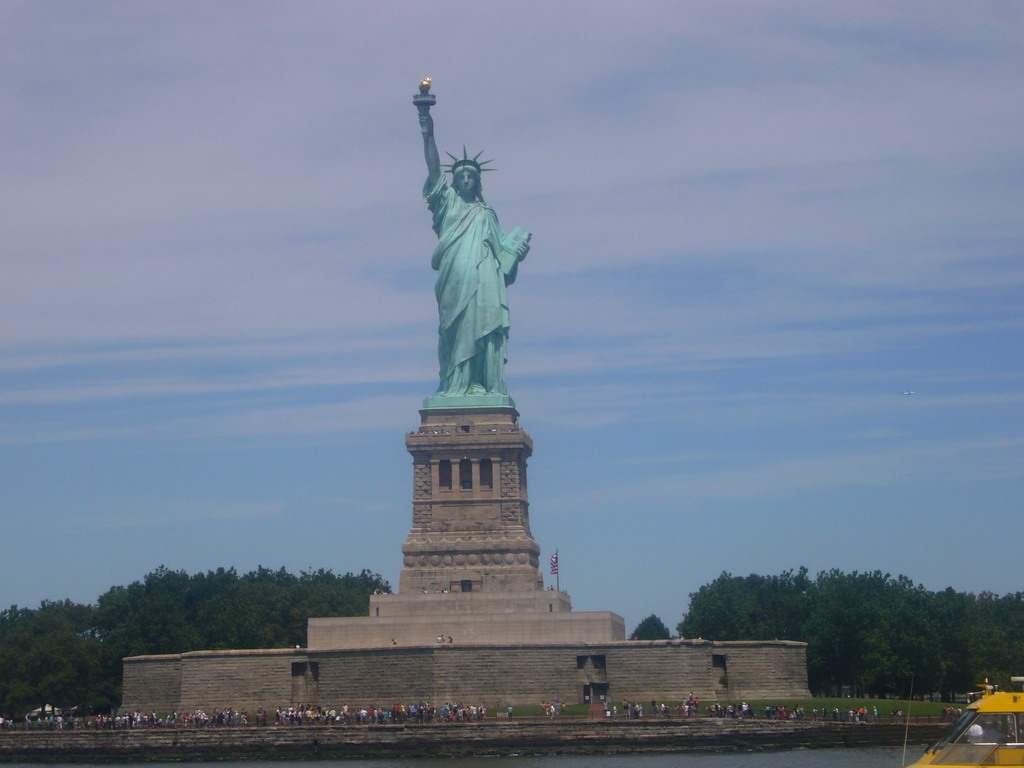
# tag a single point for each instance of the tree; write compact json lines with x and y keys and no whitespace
{"x":872,"y":632}
{"x":51,"y":655}
{"x":651,"y":628}
{"x":749,"y":607}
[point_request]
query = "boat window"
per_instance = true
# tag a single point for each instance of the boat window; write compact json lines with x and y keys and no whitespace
{"x":982,"y":738}
{"x":965,"y":754}
{"x":954,"y":733}
{"x":990,"y":728}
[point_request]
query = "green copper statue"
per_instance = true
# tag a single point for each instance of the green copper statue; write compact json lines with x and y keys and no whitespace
{"x":475,"y":261}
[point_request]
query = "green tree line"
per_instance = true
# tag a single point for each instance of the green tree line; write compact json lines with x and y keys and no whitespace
{"x":870,"y":633}
{"x":69,"y":655}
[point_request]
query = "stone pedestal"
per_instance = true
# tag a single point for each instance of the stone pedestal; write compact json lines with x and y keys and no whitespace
{"x":477,"y":618}
{"x":471,"y":515}
{"x":471,"y":566}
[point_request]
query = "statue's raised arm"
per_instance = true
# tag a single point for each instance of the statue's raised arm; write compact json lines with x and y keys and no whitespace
{"x":424,"y":102}
{"x":475,"y":261}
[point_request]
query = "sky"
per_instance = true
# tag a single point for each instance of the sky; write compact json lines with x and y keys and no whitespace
{"x":756,"y":226}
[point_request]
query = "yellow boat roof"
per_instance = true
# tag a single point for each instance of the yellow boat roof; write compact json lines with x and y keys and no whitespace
{"x":1000,"y":701}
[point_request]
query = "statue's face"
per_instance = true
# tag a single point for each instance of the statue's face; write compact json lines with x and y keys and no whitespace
{"x":466,"y":182}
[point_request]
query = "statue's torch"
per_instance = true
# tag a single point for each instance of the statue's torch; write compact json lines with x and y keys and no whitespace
{"x":424,"y":100}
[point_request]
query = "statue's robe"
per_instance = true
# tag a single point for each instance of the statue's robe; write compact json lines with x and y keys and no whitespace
{"x":475,"y":261}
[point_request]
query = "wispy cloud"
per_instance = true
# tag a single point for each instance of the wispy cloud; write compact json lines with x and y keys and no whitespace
{"x":754,"y":227}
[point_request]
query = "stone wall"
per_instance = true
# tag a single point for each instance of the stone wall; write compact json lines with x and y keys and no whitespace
{"x":760,"y":670}
{"x":500,"y":676}
{"x":208,"y":679}
{"x":497,"y":676}
{"x":380,"y":677}
{"x":154,"y":683}
{"x":496,"y":737}
{"x":459,"y":618}
{"x":660,"y":671}
{"x":241,"y":679}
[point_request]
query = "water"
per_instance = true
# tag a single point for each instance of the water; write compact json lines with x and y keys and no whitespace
{"x":874,"y":757}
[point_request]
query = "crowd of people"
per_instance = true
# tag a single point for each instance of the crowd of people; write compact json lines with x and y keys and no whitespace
{"x":423,"y":713}
{"x":301,"y":715}
{"x":951,"y":714}
{"x":783,"y":712}
{"x":489,"y":430}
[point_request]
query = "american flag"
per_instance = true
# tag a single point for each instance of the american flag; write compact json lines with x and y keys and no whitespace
{"x":554,"y":564}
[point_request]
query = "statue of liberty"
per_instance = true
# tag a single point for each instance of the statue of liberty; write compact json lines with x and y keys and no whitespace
{"x":475,"y":261}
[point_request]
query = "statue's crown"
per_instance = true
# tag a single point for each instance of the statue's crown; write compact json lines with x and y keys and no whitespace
{"x":467,"y":160}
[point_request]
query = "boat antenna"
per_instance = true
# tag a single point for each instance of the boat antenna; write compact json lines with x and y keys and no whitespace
{"x":906,"y":723}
